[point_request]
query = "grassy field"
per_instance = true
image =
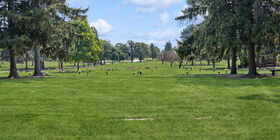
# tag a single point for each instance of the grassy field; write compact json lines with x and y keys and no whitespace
{"x":73,"y":106}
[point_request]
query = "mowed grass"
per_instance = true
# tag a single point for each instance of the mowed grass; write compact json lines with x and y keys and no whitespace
{"x":73,"y":106}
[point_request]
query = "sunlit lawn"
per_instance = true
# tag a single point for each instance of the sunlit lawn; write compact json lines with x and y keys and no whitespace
{"x":73,"y":106}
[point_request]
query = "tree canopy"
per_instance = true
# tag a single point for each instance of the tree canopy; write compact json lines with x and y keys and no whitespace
{"x":231,"y":26}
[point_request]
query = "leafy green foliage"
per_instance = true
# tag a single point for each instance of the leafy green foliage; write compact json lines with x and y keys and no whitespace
{"x":86,"y":47}
{"x":110,"y":52}
{"x":168,"y":47}
{"x":187,"y":48}
{"x":154,"y":51}
{"x":131,"y":49}
{"x":123,"y":48}
{"x":142,"y":50}
{"x":231,"y":26}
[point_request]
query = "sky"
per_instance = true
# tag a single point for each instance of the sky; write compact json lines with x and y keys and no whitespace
{"x":149,"y":21}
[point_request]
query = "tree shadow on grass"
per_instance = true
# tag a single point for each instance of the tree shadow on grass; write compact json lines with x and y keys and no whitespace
{"x":271,"y":99}
{"x":23,"y":80}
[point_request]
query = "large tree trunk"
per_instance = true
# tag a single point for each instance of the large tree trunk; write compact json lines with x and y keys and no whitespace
{"x":26,"y":64}
{"x":192,"y":63}
{"x":26,"y":61}
{"x":180,"y":64}
{"x":61,"y":64}
{"x":13,"y":57}
{"x":78,"y":66}
{"x":234,"y":59}
{"x":252,"y":61}
{"x":13,"y":64}
{"x":214,"y":63}
{"x":228,"y":63}
{"x":208,"y":62}
{"x":37,"y":68}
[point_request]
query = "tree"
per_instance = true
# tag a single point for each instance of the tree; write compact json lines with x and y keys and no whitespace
{"x":186,"y":48}
{"x":161,"y":57}
{"x":171,"y":56}
{"x":123,"y":50}
{"x":110,"y":52}
{"x":131,"y":50}
{"x":27,"y":57}
{"x":154,"y":51}
{"x":94,"y":30}
{"x":252,"y":24}
{"x":114,"y":55}
{"x":157,"y":51}
{"x":142,"y":50}
{"x":181,"y":53}
{"x":168,"y":47}
{"x":86,"y":47}
{"x":107,"y":50}
{"x":47,"y":21}
{"x":12,"y":33}
{"x":62,"y":48}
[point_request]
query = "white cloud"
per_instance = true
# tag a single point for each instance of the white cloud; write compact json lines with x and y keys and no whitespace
{"x":164,"y":19}
{"x":158,"y":37}
{"x":152,"y":5}
{"x":102,"y":26}
{"x":163,"y":35}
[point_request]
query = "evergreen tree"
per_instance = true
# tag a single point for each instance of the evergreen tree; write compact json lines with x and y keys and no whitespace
{"x":168,"y":47}
{"x":12,"y":34}
{"x":47,"y":22}
{"x":235,"y":24}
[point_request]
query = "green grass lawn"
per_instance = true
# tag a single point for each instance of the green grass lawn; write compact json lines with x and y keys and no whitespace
{"x":73,"y":106}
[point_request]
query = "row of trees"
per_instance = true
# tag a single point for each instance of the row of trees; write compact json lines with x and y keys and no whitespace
{"x":51,"y":29}
{"x":128,"y":51}
{"x":45,"y":27}
{"x":231,"y":29}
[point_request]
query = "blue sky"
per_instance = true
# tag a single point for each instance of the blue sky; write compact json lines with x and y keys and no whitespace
{"x":150,"y":21}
